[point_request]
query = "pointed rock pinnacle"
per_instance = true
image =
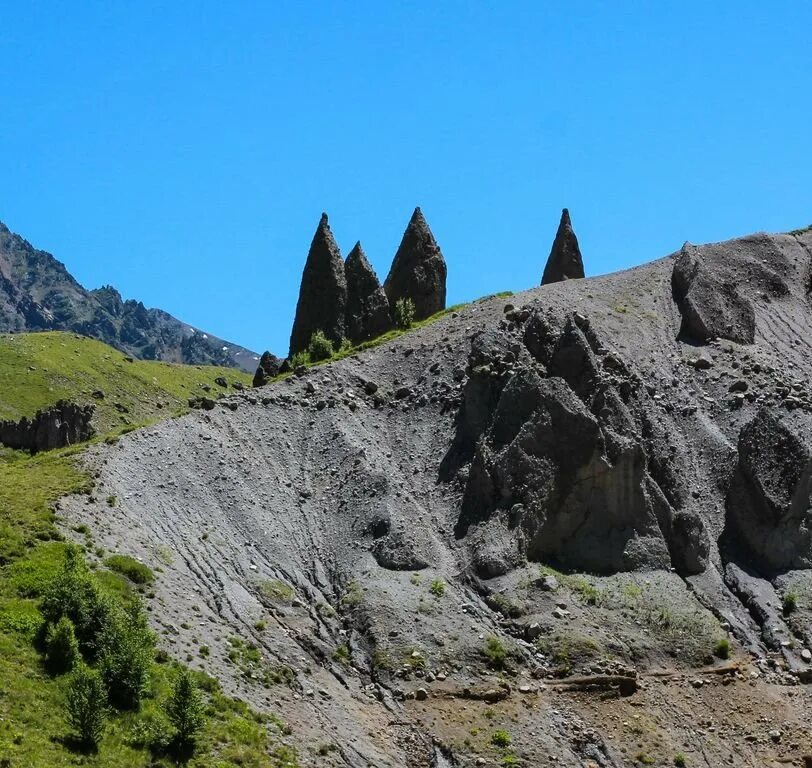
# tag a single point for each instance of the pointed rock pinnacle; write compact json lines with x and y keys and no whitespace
{"x":564,"y":262}
{"x":368,"y":313}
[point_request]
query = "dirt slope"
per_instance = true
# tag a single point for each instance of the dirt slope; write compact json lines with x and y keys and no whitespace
{"x":382,"y":529}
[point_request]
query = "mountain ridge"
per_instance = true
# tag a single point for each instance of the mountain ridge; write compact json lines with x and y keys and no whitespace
{"x":38,"y":293}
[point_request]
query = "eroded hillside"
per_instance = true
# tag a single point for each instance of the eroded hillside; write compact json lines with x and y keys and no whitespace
{"x":566,"y":528}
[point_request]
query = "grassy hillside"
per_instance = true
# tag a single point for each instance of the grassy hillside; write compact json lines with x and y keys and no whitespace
{"x":37,"y":369}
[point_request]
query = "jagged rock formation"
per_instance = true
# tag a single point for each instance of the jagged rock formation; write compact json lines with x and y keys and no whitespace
{"x":63,"y":424}
{"x":418,"y":271}
{"x":368,"y":313}
{"x":715,"y":295}
{"x":564,"y":261}
{"x":322,"y":301}
{"x":769,"y":506}
{"x":37,"y":293}
{"x":269,"y":367}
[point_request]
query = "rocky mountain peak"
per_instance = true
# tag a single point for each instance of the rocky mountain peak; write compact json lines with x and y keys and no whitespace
{"x":419,"y":270}
{"x":368,"y":312}
{"x":564,"y":261}
{"x":323,"y":292}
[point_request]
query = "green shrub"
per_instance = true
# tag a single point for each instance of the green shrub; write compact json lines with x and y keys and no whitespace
{"x":75,"y":593}
{"x":61,"y":646}
{"x":403,"y":314}
{"x":495,"y":652}
{"x":722,"y":649}
{"x":184,"y":708}
{"x":341,"y":654}
{"x":86,"y":705}
{"x":127,"y":649}
{"x":300,"y":358}
{"x":679,"y":760}
{"x":136,"y":572}
{"x":320,"y":347}
{"x":437,"y":588}
{"x":790,"y":602}
{"x":500,"y":738}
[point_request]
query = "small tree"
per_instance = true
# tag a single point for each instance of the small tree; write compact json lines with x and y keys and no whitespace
{"x":86,"y":705}
{"x":127,"y":649}
{"x":184,"y":708}
{"x":61,"y":646}
{"x":404,"y":313}
{"x":320,"y":347}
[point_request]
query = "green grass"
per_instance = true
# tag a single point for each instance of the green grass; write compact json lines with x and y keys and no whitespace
{"x":37,"y":369}
{"x":136,"y":572}
{"x":32,"y":724}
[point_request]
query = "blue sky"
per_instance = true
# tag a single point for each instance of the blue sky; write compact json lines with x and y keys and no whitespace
{"x":184,"y":151}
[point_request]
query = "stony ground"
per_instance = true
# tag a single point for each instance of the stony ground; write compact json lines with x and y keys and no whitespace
{"x":313,"y":551}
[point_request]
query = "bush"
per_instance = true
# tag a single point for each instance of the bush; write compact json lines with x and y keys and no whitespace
{"x":679,"y":760}
{"x":61,"y":646}
{"x":320,"y":347}
{"x":790,"y":602}
{"x":136,"y":572}
{"x":184,"y":708}
{"x":127,"y":650}
{"x":86,"y":706}
{"x":75,"y":594}
{"x":500,"y":738}
{"x":495,"y":652}
{"x":722,"y":649}
{"x":437,"y":588}
{"x":404,"y":313}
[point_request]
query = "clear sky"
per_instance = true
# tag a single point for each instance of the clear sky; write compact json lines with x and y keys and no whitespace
{"x":184,"y":151}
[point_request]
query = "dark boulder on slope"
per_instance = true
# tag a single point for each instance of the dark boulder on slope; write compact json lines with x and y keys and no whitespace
{"x":716,"y":287}
{"x":368,"y":312}
{"x":323,"y":294}
{"x":769,"y":505}
{"x":65,"y":423}
{"x":419,"y":270}
{"x":564,"y":261}
{"x":268,"y":368}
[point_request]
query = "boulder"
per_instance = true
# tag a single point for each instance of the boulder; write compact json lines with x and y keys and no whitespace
{"x":418,"y":271}
{"x":769,"y":504}
{"x":323,"y":293}
{"x":564,"y":261}
{"x":367,"y":306}
{"x":65,"y":423}
{"x":268,"y":368}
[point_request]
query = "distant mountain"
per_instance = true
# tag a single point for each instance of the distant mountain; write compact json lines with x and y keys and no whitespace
{"x":37,"y":293}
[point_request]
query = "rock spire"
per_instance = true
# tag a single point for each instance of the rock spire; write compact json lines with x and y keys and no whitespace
{"x":564,"y":262}
{"x":368,"y":313}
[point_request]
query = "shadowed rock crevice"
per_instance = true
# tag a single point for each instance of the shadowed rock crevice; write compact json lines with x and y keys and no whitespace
{"x":564,"y":261}
{"x":418,"y":271}
{"x":323,"y":293}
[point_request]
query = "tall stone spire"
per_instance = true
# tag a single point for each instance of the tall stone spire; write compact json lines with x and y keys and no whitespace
{"x":368,"y":313}
{"x":418,"y":271}
{"x":564,"y":262}
{"x":323,"y":293}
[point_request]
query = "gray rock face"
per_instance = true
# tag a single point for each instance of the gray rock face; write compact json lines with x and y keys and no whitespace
{"x":715,"y":286}
{"x":63,"y":424}
{"x":418,"y":271}
{"x":367,"y":306}
{"x":269,"y":367}
{"x":323,"y":294}
{"x":564,"y":261}
{"x":769,"y":505}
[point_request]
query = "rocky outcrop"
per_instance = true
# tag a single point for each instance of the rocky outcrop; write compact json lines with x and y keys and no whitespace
{"x":769,"y":505}
{"x":268,"y":368}
{"x":418,"y":271}
{"x":564,"y":261}
{"x":323,"y":294}
{"x":368,"y":313}
{"x":716,"y":286}
{"x":65,"y":423}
